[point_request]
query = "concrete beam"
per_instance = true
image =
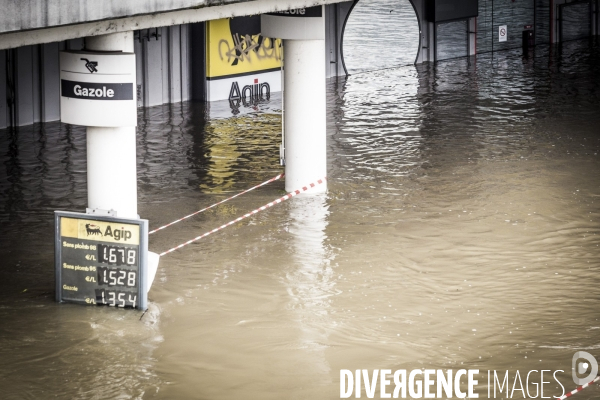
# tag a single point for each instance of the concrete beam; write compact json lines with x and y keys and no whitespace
{"x":46,"y":24}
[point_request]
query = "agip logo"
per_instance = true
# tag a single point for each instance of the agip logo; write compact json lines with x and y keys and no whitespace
{"x":249,"y":95}
{"x":100,"y":231}
{"x":92,"y":230}
{"x":257,"y":91}
{"x":116,"y":233}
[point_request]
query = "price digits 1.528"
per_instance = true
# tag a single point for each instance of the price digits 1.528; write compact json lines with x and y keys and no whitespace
{"x":117,"y":255}
{"x":117,"y":277}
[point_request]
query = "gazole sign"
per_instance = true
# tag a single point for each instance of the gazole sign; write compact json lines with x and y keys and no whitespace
{"x":97,"y":89}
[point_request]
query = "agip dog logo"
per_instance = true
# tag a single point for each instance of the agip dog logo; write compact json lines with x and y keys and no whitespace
{"x":93,"y":230}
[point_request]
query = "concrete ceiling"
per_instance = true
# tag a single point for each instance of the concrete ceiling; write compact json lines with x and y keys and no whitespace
{"x":27,"y":22}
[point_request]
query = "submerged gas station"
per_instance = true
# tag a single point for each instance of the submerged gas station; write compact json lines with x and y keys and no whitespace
{"x":96,"y":66}
{"x":117,"y":77}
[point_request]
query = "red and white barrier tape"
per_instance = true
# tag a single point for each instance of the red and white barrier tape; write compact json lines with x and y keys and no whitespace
{"x":216,"y":204}
{"x":579,"y":389}
{"x":271,"y":204}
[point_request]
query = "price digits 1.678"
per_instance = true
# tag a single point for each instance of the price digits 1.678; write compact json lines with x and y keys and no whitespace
{"x":117,"y":255}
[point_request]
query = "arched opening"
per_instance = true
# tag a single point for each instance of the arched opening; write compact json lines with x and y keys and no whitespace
{"x":380,"y":34}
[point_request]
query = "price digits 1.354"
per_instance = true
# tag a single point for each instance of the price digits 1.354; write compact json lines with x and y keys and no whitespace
{"x":116,"y":298}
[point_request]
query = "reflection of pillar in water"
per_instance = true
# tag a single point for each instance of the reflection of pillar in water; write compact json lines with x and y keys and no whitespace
{"x":310,"y":282}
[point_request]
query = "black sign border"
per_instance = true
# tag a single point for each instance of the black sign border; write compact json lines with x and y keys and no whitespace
{"x":143,"y":267}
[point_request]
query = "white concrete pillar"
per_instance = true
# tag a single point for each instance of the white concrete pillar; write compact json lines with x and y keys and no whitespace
{"x":305,"y":113}
{"x":304,"y":103}
{"x":111,"y":152}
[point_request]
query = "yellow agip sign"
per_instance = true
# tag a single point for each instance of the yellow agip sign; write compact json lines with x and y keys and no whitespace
{"x":235,"y":47}
{"x":242,"y":65}
{"x":100,"y":231}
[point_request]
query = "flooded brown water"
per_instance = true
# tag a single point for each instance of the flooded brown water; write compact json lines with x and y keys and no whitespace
{"x":460,"y":230}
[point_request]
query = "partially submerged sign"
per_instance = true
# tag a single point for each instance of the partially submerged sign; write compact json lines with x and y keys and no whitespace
{"x":97,"y":89}
{"x":242,"y":65}
{"x":101,"y":260}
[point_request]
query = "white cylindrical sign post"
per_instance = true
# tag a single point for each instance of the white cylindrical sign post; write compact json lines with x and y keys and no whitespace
{"x":98,"y":91}
{"x":304,"y":97}
{"x":111,"y":170}
{"x":113,"y":184}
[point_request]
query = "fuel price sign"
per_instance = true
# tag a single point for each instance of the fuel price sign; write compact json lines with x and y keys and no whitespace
{"x":101,"y":260}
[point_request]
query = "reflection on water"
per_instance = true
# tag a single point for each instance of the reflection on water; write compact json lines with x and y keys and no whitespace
{"x":575,"y":21}
{"x":460,"y":230}
{"x":515,"y":15}
{"x":391,"y":41}
{"x":311,"y":284}
{"x":451,"y":40}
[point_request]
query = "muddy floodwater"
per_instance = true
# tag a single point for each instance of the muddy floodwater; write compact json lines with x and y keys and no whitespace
{"x":460,"y":230}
